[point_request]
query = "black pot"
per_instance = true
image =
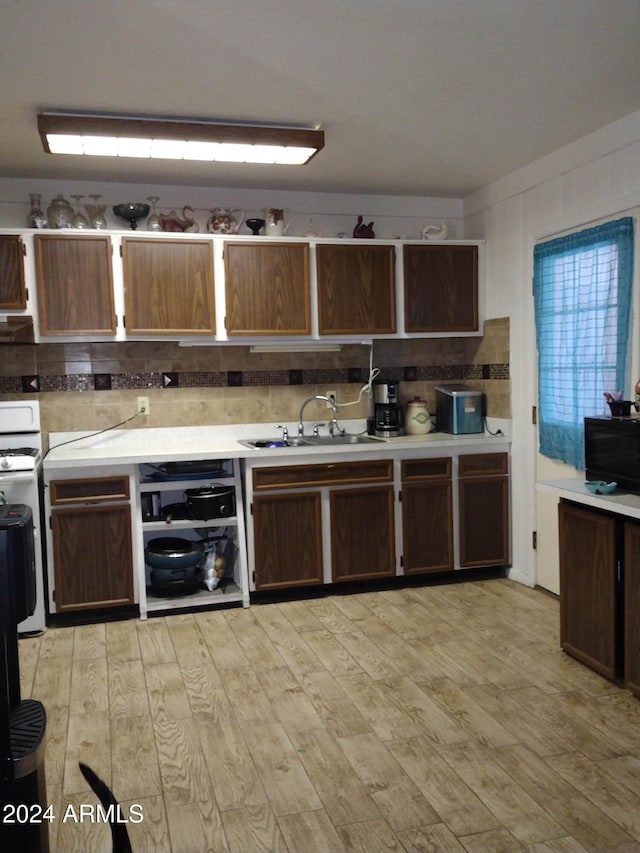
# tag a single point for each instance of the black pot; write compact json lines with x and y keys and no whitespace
{"x":211,"y":502}
{"x":172,"y":552}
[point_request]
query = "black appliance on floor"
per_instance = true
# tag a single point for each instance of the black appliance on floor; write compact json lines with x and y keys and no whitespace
{"x":22,"y":722}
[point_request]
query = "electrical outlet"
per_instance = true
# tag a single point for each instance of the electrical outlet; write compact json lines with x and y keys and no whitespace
{"x":143,"y":406}
{"x":331,"y":395}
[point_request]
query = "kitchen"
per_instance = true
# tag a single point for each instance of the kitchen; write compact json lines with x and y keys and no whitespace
{"x":592,"y":177}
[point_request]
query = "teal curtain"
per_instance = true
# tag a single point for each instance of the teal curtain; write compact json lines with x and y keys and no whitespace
{"x":582,"y":286}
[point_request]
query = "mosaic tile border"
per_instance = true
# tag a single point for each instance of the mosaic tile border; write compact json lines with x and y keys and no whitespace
{"x":245,"y":378}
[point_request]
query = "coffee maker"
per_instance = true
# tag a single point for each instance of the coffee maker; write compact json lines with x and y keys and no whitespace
{"x":388,"y":417}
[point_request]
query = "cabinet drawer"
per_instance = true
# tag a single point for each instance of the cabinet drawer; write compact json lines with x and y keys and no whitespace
{"x":483,"y":464}
{"x":426,"y":469}
{"x":376,"y":470}
{"x":93,"y":489}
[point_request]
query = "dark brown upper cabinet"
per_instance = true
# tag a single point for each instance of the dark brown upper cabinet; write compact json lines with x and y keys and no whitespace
{"x":169,"y":286}
{"x":75,"y":284}
{"x":267,"y":288}
{"x":13,"y":293}
{"x":440,"y":288}
{"x":356,"y":289}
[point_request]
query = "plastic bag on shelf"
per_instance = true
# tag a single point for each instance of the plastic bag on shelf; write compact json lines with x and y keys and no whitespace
{"x":213,"y":568}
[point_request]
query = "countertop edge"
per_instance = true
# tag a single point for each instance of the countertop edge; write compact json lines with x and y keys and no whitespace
{"x":574,"y":489}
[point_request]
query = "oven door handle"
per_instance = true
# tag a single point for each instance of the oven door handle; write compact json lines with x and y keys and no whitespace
{"x":9,"y":477}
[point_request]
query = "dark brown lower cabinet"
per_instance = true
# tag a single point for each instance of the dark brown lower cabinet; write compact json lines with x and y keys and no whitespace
{"x":483,"y":497}
{"x":588,"y":584}
{"x":92,"y":556}
{"x":632,"y":606}
{"x":91,"y":542}
{"x":293,"y":505}
{"x":427,"y":515}
{"x":600,"y":591}
{"x":287,"y":530}
{"x":362,"y":533}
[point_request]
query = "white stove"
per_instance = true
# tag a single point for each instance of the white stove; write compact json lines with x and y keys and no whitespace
{"x":21,"y":483}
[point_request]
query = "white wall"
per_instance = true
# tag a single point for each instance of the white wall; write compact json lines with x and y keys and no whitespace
{"x":597,"y":176}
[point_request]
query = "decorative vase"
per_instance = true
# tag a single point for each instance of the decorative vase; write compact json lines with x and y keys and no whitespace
{"x":96,"y":212}
{"x":153,"y":222}
{"x":37,"y":219}
{"x":79,"y":219}
{"x":60,"y":213}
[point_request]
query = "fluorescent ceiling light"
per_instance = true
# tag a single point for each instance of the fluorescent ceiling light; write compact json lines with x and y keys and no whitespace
{"x":168,"y":139}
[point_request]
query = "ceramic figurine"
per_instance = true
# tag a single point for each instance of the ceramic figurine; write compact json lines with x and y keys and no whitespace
{"x":172,"y":222}
{"x":435,"y":232}
{"x":362,"y":230}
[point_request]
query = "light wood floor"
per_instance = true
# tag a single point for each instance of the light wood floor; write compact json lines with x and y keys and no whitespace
{"x":441,"y":719}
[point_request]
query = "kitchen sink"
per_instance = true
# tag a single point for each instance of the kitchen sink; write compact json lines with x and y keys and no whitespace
{"x":330,"y":440}
{"x":307,"y":441}
{"x":273,"y":443}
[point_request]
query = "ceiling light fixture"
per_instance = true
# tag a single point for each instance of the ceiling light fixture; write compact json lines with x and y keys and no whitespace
{"x":172,"y":139}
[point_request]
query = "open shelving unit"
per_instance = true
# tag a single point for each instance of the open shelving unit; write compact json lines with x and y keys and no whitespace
{"x":158,"y":491}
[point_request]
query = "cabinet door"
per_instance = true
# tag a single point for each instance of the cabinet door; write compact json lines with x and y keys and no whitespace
{"x":427,"y":526}
{"x":588,"y":587}
{"x":440,"y":288}
{"x":75,"y":285}
{"x":362,"y":533}
{"x":356,"y":289}
{"x":484,"y":521}
{"x":267,"y":288}
{"x":287,"y":531}
{"x":169,"y":286}
{"x":93,"y":561}
{"x":13,"y":293}
{"x":632,"y":606}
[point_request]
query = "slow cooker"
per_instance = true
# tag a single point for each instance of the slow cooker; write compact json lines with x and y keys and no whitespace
{"x":210,"y":502}
{"x":175,"y":564}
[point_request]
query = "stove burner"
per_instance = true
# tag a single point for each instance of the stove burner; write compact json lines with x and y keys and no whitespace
{"x":18,"y":451}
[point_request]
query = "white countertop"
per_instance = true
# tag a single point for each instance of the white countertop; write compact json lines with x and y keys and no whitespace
{"x":574,"y":489}
{"x":169,"y":444}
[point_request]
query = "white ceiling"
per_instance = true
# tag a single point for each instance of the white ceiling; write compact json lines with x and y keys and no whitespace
{"x":416,"y":97}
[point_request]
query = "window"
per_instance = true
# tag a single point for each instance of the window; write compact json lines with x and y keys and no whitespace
{"x":582,"y":288}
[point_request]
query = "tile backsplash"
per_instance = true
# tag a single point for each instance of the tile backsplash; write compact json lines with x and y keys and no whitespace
{"x":95,"y":385}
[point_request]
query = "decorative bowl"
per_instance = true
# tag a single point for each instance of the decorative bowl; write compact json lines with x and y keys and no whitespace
{"x":132,"y":212}
{"x":600,"y":487}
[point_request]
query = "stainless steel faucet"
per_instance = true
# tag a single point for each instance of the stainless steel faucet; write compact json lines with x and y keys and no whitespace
{"x":333,"y":423}
{"x":328,"y":400}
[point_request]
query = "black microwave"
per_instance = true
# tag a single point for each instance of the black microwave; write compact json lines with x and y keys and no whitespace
{"x":612,"y":450}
